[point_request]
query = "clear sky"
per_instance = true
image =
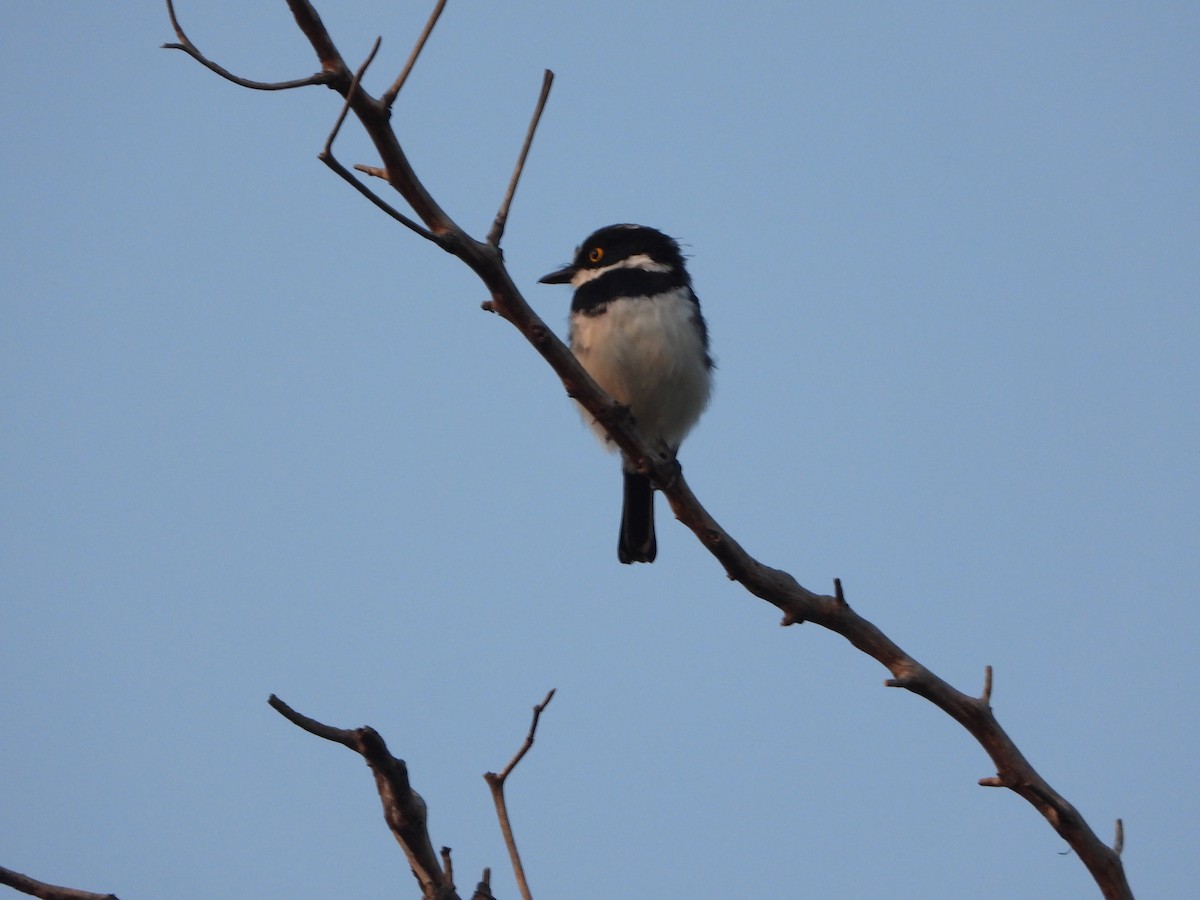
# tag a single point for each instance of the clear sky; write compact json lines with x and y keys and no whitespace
{"x":256,"y":438}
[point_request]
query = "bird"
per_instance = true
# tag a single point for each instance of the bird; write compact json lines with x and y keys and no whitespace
{"x":636,"y":327}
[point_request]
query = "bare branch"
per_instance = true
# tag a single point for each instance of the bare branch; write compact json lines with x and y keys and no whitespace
{"x":185,"y":44}
{"x":537,"y":714}
{"x":496,"y":784}
{"x":326,"y":155}
{"x":374,"y":118}
{"x":775,"y":586}
{"x":35,"y":888}
{"x":986,"y":696}
{"x":403,"y":808}
{"x":838,"y":594}
{"x":314,"y":29}
{"x":350,"y":93}
{"x":483,"y":890}
{"x":1119,"y":842}
{"x":389,"y":96}
{"x":400,"y":217}
{"x":312,"y":726}
{"x":497,"y":230}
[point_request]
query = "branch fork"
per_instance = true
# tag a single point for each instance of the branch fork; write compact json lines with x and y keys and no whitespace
{"x":406,"y":811}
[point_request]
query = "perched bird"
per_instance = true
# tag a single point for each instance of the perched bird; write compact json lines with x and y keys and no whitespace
{"x":636,"y":327}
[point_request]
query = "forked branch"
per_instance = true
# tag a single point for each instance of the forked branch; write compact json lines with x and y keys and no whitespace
{"x":496,"y":785}
{"x":185,"y":44}
{"x":326,"y":155}
{"x":777,"y":587}
{"x":403,"y":808}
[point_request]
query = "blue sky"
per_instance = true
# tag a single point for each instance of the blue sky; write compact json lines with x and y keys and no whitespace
{"x":258,"y":439}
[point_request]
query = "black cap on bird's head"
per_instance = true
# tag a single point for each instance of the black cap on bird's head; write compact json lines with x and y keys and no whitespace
{"x":617,"y":243}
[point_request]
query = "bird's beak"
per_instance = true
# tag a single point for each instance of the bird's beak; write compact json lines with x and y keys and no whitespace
{"x":561,"y":276}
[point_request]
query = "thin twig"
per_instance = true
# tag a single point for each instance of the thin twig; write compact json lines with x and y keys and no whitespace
{"x":537,"y":714}
{"x":35,"y":888}
{"x":185,"y":44}
{"x":342,"y":736}
{"x":389,"y":96}
{"x":496,"y":784}
{"x":986,"y":697}
{"x":348,"y":177}
{"x":354,"y":83}
{"x":497,"y":230}
{"x":483,"y":890}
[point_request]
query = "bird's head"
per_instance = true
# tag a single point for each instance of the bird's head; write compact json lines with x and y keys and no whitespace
{"x":619,"y":247}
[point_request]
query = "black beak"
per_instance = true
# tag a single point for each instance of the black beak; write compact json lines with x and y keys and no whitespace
{"x":561,"y":276}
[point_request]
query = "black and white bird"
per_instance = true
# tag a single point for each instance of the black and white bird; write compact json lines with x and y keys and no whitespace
{"x":636,"y":327}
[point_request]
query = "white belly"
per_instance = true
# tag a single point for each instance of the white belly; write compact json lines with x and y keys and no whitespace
{"x":649,"y":356}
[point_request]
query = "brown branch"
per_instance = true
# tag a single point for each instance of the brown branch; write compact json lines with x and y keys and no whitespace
{"x":497,"y":230}
{"x":775,"y":586}
{"x":496,"y":784}
{"x":403,"y":808}
{"x":374,"y":116}
{"x":986,"y":696}
{"x":326,"y":155}
{"x":314,"y":29}
{"x":185,"y":44}
{"x":350,"y":92}
{"x":371,"y":113}
{"x":35,"y":888}
{"x":483,"y":890}
{"x":389,"y":96}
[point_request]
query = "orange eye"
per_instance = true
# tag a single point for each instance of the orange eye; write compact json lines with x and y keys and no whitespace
{"x":595,"y":255}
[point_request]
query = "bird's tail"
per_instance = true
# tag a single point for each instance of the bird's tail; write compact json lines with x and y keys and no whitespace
{"x":637,"y":542}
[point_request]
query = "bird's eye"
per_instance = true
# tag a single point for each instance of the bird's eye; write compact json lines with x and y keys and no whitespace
{"x":595,"y":255}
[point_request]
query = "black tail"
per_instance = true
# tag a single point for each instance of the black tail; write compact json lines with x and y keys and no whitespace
{"x":637,"y":521}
